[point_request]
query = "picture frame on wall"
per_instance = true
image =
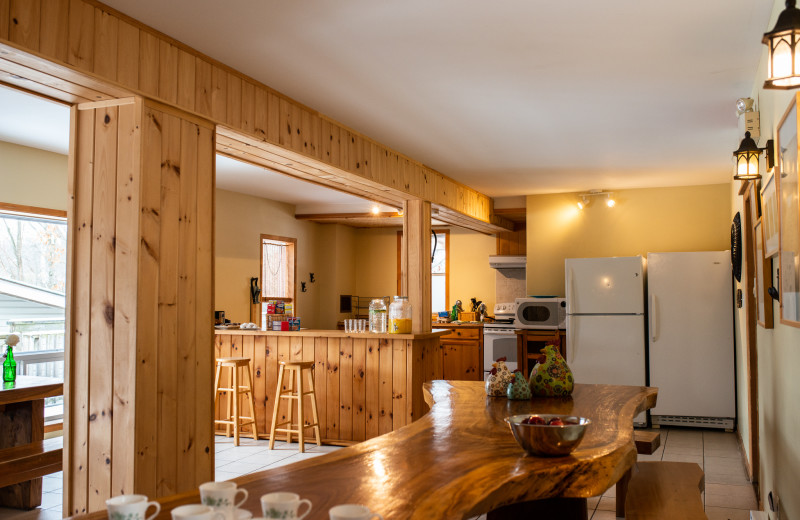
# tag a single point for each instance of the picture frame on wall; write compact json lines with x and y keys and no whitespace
{"x":763,"y":275}
{"x":789,"y":216}
{"x":769,"y":214}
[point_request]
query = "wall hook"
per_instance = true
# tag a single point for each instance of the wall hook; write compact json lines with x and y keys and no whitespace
{"x":303,"y":286}
{"x":311,"y":277}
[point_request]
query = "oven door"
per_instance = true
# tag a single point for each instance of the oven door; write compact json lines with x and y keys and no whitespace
{"x":536,"y":315}
{"x":497,"y":344}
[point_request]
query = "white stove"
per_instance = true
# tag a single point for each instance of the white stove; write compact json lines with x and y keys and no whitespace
{"x":499,"y":337}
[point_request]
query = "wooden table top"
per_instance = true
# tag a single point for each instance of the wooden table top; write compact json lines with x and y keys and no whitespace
{"x":28,"y":388}
{"x":460,"y":459}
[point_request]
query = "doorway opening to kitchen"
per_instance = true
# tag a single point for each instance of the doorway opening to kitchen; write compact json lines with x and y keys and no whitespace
{"x":34,"y":143}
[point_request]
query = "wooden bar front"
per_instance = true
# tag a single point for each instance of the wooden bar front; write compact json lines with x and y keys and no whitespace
{"x":366,"y":384}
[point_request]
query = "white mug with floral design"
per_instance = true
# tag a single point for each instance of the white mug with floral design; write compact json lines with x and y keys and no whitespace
{"x":352,"y":512}
{"x":222,"y":497}
{"x":130,"y":507}
{"x":196,"y":512}
{"x":284,"y":505}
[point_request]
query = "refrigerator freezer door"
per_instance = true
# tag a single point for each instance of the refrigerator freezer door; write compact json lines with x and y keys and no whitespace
{"x":605,"y":285}
{"x":691,"y":344}
{"x":607,"y":350}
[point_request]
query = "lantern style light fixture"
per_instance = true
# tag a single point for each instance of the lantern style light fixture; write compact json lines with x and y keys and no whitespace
{"x":747,"y":158}
{"x":783,"y":65}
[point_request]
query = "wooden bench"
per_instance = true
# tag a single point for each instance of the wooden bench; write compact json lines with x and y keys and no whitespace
{"x":646,"y":444}
{"x":665,"y":490}
{"x":26,"y":462}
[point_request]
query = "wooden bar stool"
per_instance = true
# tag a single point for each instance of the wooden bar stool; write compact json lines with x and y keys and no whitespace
{"x":234,"y":392}
{"x":295,"y":368}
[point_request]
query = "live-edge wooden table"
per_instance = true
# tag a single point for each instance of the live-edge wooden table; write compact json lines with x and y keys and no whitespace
{"x":460,"y":459}
{"x":22,"y":422}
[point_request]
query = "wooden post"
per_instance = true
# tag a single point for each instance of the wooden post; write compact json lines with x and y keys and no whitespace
{"x":140,"y":346}
{"x":416,"y":259}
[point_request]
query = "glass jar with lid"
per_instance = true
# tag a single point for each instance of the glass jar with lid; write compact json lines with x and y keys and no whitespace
{"x":400,"y":316}
{"x":377,"y":316}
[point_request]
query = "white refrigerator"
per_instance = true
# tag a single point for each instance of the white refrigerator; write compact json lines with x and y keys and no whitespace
{"x":606,"y":321}
{"x":691,"y":338}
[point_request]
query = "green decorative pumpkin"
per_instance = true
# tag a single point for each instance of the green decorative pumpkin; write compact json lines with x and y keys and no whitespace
{"x":518,"y":388}
{"x":551,"y":376}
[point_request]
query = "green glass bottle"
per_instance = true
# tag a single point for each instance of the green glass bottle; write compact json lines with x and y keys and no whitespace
{"x":9,"y":367}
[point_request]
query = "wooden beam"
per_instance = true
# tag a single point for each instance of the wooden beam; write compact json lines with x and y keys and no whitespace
{"x":416,"y":252}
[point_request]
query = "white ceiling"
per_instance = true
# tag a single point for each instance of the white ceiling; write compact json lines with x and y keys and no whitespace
{"x":513,"y":97}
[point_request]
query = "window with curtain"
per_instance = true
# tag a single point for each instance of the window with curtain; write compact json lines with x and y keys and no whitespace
{"x":277,"y":268}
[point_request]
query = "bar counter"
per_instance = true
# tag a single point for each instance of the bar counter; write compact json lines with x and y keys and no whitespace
{"x":366,"y":384}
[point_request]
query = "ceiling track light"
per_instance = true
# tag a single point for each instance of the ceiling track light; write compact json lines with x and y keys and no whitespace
{"x":585,"y":200}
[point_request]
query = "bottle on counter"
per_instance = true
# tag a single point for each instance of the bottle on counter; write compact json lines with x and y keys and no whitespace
{"x":400,"y":316}
{"x":377,"y":316}
{"x":10,"y":364}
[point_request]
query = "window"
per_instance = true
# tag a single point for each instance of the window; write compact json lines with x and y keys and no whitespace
{"x":278,"y":268}
{"x":33,"y":274}
{"x":440,"y":268}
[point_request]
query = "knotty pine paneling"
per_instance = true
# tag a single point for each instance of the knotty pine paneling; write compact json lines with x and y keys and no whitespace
{"x":140,"y":350}
{"x":112,"y":47}
{"x":365,"y":387}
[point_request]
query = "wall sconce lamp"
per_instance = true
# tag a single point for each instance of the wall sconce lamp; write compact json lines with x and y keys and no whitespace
{"x":747,"y":158}
{"x":585,"y":200}
{"x":783,"y":71}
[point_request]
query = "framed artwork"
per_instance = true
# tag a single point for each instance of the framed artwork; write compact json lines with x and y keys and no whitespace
{"x":789,"y":215}
{"x":763,"y":275}
{"x":769,"y":215}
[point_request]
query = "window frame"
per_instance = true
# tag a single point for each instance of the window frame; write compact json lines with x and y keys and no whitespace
{"x":437,"y":230}
{"x":292,"y":274}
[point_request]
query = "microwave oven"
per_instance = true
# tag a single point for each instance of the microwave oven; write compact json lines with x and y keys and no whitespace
{"x":541,"y":313}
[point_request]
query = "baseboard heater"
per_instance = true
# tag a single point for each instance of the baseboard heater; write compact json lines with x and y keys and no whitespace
{"x":725,"y":423}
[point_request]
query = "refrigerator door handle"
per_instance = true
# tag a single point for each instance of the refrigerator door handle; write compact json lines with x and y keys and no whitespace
{"x":570,"y":297}
{"x":653,"y":312}
{"x":571,"y":332}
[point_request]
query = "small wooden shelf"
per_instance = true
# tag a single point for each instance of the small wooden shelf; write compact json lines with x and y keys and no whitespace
{"x":530,"y":342}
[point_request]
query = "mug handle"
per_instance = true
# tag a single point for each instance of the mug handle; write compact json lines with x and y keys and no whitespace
{"x":304,"y":501}
{"x":246,"y":494}
{"x":219,"y":515}
{"x":158,"y":510}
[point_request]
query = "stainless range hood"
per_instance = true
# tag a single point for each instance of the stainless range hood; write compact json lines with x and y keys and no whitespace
{"x":507,"y":261}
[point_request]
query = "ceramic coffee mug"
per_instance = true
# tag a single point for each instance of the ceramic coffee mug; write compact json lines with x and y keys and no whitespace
{"x":196,"y":512}
{"x":352,"y":512}
{"x":221,"y":494}
{"x":283,"y":505}
{"x":130,"y":507}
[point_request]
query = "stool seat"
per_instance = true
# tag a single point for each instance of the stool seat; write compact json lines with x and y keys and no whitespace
{"x":234,"y":391}
{"x":296,"y":368}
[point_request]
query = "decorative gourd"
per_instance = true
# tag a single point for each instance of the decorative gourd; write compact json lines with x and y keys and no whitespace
{"x":551,"y":375}
{"x":498,"y":379}
{"x":518,"y":388}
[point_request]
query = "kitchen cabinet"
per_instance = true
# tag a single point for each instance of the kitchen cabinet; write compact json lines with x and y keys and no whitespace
{"x":530,"y":342}
{"x":462,"y":352}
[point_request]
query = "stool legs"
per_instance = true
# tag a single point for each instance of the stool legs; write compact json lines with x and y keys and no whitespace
{"x":252,"y":404}
{"x":314,"y":414}
{"x":275,"y":407}
{"x":234,"y":394}
{"x":294,"y":391}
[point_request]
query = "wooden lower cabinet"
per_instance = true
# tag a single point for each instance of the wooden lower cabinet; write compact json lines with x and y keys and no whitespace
{"x":462,"y":352}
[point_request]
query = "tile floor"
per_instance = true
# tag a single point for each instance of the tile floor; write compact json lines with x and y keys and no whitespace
{"x":728,"y":495}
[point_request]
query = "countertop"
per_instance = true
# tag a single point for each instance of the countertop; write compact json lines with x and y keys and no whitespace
{"x":460,"y":324}
{"x":316,"y":333}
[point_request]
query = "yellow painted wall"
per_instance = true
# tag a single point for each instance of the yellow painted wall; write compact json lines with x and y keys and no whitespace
{"x":691,"y":218}
{"x":240,"y":221}
{"x":470,"y":274}
{"x":32,"y":177}
{"x":778,"y":348}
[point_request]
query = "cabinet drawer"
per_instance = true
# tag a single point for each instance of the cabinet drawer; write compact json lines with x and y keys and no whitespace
{"x":470,"y":333}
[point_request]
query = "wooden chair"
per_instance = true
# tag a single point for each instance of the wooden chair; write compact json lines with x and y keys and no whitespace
{"x":234,"y":392}
{"x":296,"y":370}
